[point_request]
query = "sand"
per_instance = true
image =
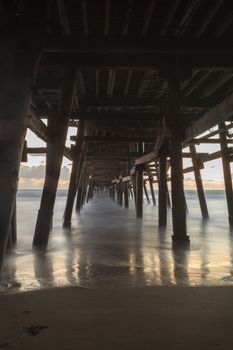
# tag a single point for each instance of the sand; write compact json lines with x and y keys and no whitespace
{"x":131,"y":318}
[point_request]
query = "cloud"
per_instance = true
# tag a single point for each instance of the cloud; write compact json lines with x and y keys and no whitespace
{"x":38,"y":172}
{"x":33,"y":177}
{"x":190,"y":184}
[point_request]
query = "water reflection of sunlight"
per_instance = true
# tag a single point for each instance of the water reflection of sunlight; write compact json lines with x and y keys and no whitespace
{"x":121,"y":251}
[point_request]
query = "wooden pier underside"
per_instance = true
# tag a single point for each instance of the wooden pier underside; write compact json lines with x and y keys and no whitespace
{"x":145,"y":80}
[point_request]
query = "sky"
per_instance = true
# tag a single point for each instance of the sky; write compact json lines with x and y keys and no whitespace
{"x":32,"y":172}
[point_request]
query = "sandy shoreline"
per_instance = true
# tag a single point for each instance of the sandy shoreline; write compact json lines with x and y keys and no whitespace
{"x":132,"y":318}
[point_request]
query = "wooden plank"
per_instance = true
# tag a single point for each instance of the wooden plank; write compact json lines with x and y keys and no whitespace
{"x":38,"y":127}
{"x":64,"y":22}
{"x":142,"y":45}
{"x":117,"y":139}
{"x":223,"y":111}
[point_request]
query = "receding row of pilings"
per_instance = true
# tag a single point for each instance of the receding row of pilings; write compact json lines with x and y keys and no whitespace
{"x":17,"y":75}
{"x":137,"y":182}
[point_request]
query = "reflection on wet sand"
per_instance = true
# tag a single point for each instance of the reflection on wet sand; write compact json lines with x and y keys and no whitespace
{"x":108,"y":247}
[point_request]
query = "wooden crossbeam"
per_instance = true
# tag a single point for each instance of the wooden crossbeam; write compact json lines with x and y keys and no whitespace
{"x":223,"y":111}
{"x":208,"y":141}
{"x":3,"y":15}
{"x":135,"y":45}
{"x":85,"y":17}
{"x":117,"y":139}
{"x":130,"y":60}
{"x":98,"y":116}
{"x":129,"y":7}
{"x":37,"y":126}
{"x":132,"y":101}
{"x":65,"y":27}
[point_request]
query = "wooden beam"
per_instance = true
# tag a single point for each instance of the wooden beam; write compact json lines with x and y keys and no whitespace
{"x":80,"y":83}
{"x":170,"y":15}
{"x":133,"y":101}
{"x":3,"y":15}
{"x":215,"y":7}
{"x":98,"y":116}
{"x":117,"y":139}
{"x":223,"y":111}
{"x":147,"y":158}
{"x":199,"y":78}
{"x":217,"y":83}
{"x":127,"y":83}
{"x":65,"y":27}
{"x":129,"y":7}
{"x":97,"y":82}
{"x":226,"y":171}
{"x":111,"y":82}
{"x":208,"y":141}
{"x":132,"y":60}
{"x":178,"y":45}
{"x":38,"y":127}
{"x":85,"y":17}
{"x":56,"y":143}
{"x":147,"y":17}
{"x":107,"y":17}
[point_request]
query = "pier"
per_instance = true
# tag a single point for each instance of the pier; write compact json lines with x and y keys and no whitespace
{"x":138,"y":93}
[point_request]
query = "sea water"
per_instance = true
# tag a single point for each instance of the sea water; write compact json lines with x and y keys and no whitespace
{"x":108,"y":247}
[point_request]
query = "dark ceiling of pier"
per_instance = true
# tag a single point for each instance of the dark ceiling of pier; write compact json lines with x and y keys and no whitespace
{"x":121,"y":49}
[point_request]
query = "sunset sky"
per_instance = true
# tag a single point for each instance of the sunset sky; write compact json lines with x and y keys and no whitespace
{"x":32,"y":172}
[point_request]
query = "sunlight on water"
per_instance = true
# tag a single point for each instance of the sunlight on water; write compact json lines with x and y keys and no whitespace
{"x":108,"y":247}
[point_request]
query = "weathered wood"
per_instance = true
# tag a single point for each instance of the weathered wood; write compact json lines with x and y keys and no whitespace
{"x":17,"y":72}
{"x":162,"y":181}
{"x":116,"y":139}
{"x":74,"y":176}
{"x":56,"y":143}
{"x":126,"y":194}
{"x":221,"y":112}
{"x":14,"y":224}
{"x":135,"y":45}
{"x":139,"y":191}
{"x":37,"y":126}
{"x":177,"y":186}
{"x":207,"y":141}
{"x":152,"y":190}
{"x":199,"y":184}
{"x":226,"y":171}
{"x":146,"y":192}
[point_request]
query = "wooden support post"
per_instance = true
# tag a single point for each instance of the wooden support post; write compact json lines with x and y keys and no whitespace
{"x":131,"y":191}
{"x":120,"y":189}
{"x":139,"y":191}
{"x":55,"y":148}
{"x":175,"y":122}
{"x":126,"y":195}
{"x":79,"y":199}
{"x":14,"y":225}
{"x":199,"y":184}
{"x":74,"y":176}
{"x":168,"y":197}
{"x":80,"y":192}
{"x":226,"y":171}
{"x":90,"y":187}
{"x":17,"y":72}
{"x":146,"y":192}
{"x":177,"y":187}
{"x":162,"y":182}
{"x":152,"y":190}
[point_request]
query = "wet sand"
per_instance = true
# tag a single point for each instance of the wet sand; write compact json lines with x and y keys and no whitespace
{"x":131,"y":318}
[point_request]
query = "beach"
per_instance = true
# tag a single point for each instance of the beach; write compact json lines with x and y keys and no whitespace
{"x":130,"y":318}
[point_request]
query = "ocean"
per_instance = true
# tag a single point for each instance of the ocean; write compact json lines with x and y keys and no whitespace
{"x":108,"y":247}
